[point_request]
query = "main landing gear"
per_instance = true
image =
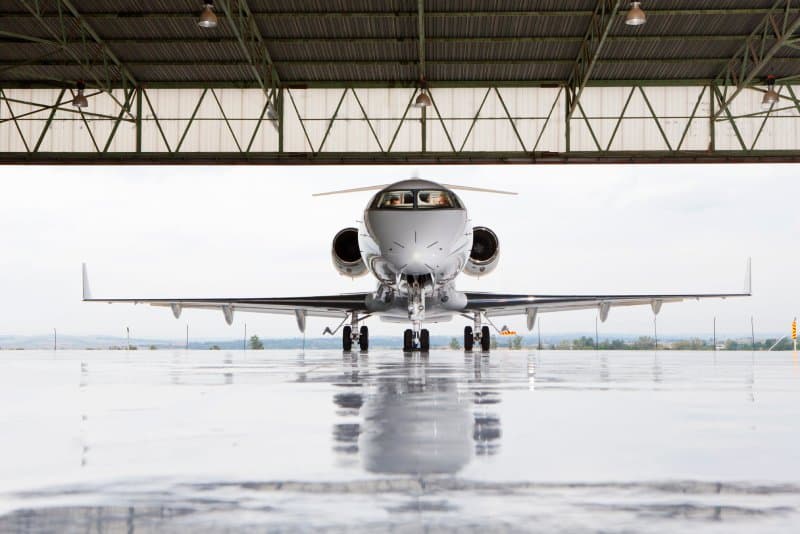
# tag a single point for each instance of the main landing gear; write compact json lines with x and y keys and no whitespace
{"x":480,"y":336}
{"x":353,"y":334}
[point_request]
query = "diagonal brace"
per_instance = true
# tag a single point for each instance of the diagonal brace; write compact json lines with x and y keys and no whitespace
{"x":602,"y":19}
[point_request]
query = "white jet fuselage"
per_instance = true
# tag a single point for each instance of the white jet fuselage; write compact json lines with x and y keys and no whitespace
{"x":404,"y":247}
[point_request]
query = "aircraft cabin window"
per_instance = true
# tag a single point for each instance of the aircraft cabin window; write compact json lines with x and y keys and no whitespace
{"x":396,"y":199}
{"x":435,"y":199}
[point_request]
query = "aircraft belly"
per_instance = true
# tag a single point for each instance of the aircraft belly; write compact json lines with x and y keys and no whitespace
{"x":398,"y":313}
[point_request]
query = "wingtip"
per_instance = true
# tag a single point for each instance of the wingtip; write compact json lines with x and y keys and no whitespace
{"x":748,"y":277}
{"x":87,"y":293}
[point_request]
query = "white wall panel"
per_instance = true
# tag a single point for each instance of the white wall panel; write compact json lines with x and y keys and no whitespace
{"x":314,"y":110}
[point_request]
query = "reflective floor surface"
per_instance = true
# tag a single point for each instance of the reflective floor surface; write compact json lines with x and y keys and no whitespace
{"x":154,"y":441}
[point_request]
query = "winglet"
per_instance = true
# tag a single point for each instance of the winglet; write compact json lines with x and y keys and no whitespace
{"x":87,"y":293}
{"x":748,"y":277}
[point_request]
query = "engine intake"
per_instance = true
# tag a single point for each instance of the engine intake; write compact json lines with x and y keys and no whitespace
{"x":485,"y":252}
{"x":346,"y":254}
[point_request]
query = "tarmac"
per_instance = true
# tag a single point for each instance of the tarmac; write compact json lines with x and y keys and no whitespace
{"x":557,"y":441}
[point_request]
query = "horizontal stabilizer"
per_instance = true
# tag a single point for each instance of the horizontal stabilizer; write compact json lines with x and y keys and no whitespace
{"x":479,"y":189}
{"x":354,"y":190}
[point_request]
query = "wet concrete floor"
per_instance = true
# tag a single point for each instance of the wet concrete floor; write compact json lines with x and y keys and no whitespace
{"x":209,"y":441}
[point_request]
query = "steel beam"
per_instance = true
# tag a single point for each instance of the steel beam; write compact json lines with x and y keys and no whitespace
{"x":410,"y":62}
{"x":17,"y":38}
{"x":771,"y":34}
{"x":689,"y":12}
{"x":375,"y":158}
{"x":421,"y":37}
{"x":601,"y":20}
{"x":84,"y":63}
{"x":376,"y":84}
{"x":244,"y":26}
{"x":106,"y":50}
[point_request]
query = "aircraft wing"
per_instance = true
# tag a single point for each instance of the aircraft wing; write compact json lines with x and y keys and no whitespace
{"x":497,"y":304}
{"x":317,"y":306}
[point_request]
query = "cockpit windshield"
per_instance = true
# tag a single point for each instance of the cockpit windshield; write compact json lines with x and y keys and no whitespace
{"x":396,"y":199}
{"x":432,"y":199}
{"x":422,"y":199}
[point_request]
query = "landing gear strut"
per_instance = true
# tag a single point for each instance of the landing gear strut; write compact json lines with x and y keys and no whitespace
{"x":353,"y":334}
{"x":416,"y":338}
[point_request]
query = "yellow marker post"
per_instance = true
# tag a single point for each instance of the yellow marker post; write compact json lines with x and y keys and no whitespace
{"x":794,"y":333}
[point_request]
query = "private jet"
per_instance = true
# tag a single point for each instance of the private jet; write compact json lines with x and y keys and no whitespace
{"x":415,"y":240}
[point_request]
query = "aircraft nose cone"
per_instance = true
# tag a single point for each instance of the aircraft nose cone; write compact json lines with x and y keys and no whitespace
{"x":419,"y":261}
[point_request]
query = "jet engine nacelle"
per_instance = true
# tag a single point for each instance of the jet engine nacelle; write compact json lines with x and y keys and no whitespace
{"x":485,"y":252}
{"x":346,"y":254}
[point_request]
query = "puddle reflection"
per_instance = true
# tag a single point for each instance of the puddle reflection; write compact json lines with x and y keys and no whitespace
{"x":416,"y":417}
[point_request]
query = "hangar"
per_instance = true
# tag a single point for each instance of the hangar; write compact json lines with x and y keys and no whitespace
{"x":400,"y":81}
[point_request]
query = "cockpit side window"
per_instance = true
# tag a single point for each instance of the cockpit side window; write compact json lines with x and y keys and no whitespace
{"x":395,"y":199}
{"x":436,"y":199}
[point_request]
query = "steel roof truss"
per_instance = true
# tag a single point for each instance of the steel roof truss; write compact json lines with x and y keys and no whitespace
{"x":602,"y":18}
{"x":775,"y":31}
{"x":83,"y":61}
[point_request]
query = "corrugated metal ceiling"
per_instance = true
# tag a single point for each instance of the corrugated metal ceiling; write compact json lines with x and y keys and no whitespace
{"x":339,"y":41}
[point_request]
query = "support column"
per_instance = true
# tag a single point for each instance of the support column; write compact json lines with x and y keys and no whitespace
{"x":712,"y":142}
{"x":139,"y":119}
{"x":279,"y":111}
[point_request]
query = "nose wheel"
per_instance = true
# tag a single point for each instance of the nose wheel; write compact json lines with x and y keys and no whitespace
{"x":416,"y":341}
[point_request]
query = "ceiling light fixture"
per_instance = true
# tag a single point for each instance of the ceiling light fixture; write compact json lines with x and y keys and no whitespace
{"x":208,"y":19}
{"x":770,"y":97}
{"x":272,"y":115}
{"x":635,"y":15}
{"x":423,"y":100}
{"x":80,"y":101}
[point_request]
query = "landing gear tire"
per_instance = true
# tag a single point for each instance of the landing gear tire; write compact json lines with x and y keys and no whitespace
{"x":485,"y":339}
{"x":468,"y":339}
{"x":347,"y":339}
{"x":424,"y":341}
{"x":363,"y":339}
{"x":408,"y":340}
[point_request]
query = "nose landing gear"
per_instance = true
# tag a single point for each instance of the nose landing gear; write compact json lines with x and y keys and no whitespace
{"x":416,"y":339}
{"x":480,"y":335}
{"x":419,"y":341}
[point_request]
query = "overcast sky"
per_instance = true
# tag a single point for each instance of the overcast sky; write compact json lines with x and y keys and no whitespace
{"x":257,"y":232}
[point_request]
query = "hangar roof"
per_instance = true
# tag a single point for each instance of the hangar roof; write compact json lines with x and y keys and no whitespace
{"x":307,"y":43}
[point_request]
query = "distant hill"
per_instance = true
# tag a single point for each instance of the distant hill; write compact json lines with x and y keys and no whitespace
{"x":66,"y":342}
